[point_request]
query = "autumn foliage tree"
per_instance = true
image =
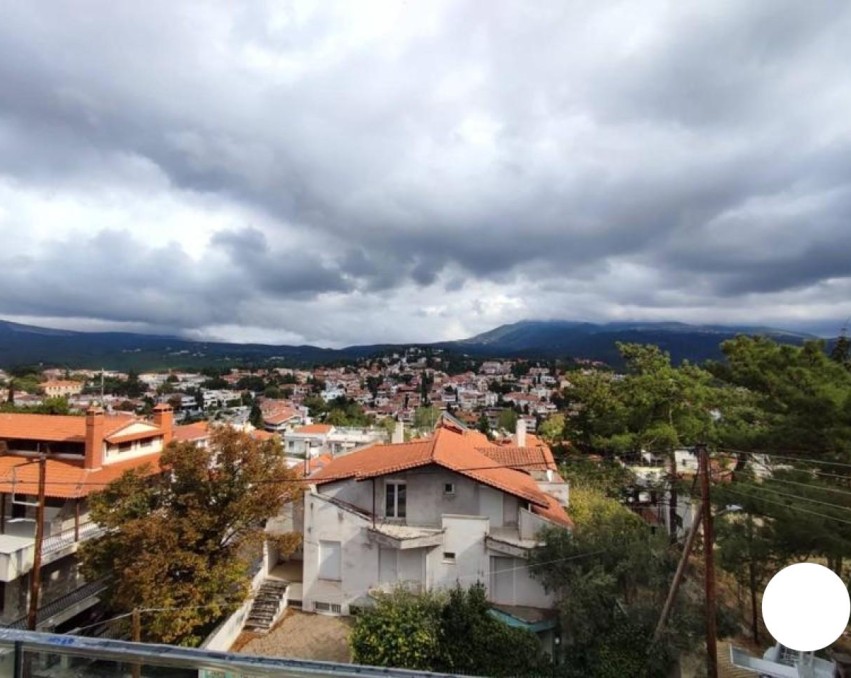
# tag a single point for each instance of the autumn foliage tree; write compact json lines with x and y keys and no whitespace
{"x":180,"y":545}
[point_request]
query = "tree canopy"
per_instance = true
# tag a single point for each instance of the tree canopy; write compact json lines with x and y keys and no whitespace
{"x":443,"y":631}
{"x":181,"y":543}
{"x":610,"y":576}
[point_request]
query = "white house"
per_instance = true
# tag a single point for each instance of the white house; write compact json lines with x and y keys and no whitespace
{"x":427,"y":514}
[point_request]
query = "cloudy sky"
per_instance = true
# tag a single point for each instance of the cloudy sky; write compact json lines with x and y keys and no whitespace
{"x":350,"y":172}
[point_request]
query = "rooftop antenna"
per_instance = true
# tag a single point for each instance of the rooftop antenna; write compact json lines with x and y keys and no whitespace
{"x":101,"y":387}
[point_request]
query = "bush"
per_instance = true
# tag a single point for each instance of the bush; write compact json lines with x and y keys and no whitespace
{"x":435,"y":632}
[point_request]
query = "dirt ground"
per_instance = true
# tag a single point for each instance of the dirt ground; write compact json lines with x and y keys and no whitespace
{"x":300,"y":635}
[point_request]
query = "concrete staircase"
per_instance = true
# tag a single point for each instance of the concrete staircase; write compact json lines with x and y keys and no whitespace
{"x":269,"y":603}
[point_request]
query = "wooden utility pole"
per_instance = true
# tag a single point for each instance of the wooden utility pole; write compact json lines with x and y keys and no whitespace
{"x":35,"y":576}
{"x":709,"y":555}
{"x":681,"y":568}
{"x":137,"y":638}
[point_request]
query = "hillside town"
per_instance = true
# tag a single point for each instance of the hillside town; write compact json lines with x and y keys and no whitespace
{"x":410,"y":473}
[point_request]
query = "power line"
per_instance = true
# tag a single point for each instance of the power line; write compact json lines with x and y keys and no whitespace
{"x":797,"y":508}
{"x":810,"y":485}
{"x":771,"y":455}
{"x":800,"y":498}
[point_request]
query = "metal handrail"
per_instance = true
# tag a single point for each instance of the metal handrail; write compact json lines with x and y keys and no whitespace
{"x":99,"y":649}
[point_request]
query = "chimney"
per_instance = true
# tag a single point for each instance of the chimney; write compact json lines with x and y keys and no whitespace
{"x":164,"y":419}
{"x":94,"y":437}
{"x":398,"y":433}
{"x":521,"y":432}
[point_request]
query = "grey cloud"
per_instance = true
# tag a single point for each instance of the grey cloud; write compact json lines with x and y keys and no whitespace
{"x":531,"y":147}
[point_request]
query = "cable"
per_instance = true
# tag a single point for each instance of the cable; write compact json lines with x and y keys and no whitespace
{"x":800,"y":498}
{"x":802,"y":510}
{"x":823,"y":474}
{"x":809,"y":485}
{"x":771,"y":455}
{"x":103,"y":621}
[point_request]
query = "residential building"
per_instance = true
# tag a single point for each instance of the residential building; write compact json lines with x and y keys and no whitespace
{"x":428,"y":513}
{"x":84,"y":454}
{"x":280,"y":416}
{"x":63,"y":388}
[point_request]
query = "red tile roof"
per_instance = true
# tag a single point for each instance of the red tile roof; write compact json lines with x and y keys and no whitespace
{"x":197,"y":431}
{"x":276,"y":412}
{"x":65,"y":479}
{"x":315,"y":429}
{"x":450,"y":448}
{"x":257,"y":434}
{"x":522,"y":458}
{"x":56,"y":428}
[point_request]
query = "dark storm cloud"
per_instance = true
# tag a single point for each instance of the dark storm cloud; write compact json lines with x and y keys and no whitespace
{"x":703,"y":150}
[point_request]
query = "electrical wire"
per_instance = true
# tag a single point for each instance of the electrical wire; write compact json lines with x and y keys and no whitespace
{"x":784,"y":505}
{"x":808,"y":485}
{"x":772,"y":455}
{"x":800,"y":498}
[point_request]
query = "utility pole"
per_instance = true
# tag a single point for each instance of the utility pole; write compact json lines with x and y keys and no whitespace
{"x":678,"y":577}
{"x":35,"y":577}
{"x":708,"y":542}
{"x":137,"y":638}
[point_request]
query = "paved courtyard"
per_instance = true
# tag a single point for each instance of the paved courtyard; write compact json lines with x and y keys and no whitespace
{"x":300,"y":635}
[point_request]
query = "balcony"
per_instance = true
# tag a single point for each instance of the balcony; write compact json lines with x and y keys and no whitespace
{"x":18,"y":550}
{"x":405,"y":536}
{"x":45,"y":654}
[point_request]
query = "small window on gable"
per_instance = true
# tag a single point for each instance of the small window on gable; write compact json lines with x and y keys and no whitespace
{"x":448,"y":488}
{"x":448,"y":556}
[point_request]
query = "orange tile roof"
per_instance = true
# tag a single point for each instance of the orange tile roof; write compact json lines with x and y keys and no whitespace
{"x":65,"y":479}
{"x":197,"y":431}
{"x":522,"y":458}
{"x":257,"y":434}
{"x":314,"y":429}
{"x":450,"y":448}
{"x":55,"y":427}
{"x":276,"y":412}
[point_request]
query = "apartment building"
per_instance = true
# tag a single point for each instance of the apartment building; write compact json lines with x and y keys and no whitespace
{"x":83,"y":454}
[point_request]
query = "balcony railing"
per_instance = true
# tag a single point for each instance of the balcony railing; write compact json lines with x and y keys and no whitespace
{"x":45,"y":654}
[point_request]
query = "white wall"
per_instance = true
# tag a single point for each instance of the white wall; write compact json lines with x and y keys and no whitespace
{"x":325,"y":521}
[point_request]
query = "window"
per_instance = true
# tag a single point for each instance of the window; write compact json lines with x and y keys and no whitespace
{"x":329,"y":560}
{"x":396,"y":502}
{"x":448,"y":488}
{"x":448,"y":556}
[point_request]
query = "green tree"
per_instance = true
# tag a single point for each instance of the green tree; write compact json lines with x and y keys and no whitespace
{"x":452,"y":632}
{"x":182,"y":545}
{"x":475,"y":643}
{"x":610,"y":575}
{"x":255,"y":415}
{"x":426,"y":417}
{"x":402,"y":631}
{"x":483,"y":425}
{"x":552,"y":429}
{"x":272,"y":392}
{"x":655,"y":407}
{"x":508,"y":420}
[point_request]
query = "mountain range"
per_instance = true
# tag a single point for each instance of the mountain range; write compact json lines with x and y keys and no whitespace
{"x":28,"y":344}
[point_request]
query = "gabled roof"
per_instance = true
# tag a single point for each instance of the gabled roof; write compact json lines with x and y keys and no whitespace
{"x":277,"y":412}
{"x":200,"y":430}
{"x":522,"y":458}
{"x":56,"y":428}
{"x":64,"y":479}
{"x":450,"y":448}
